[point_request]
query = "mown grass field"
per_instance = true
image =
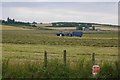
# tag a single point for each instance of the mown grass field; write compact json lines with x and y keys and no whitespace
{"x":24,"y":50}
{"x":7,"y":27}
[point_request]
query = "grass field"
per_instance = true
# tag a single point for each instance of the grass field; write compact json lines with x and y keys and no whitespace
{"x":24,"y":48}
{"x":7,"y":27}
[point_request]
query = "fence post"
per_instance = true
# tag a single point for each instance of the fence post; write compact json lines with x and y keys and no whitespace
{"x":93,"y":59}
{"x":64,"y":57}
{"x":45,"y":58}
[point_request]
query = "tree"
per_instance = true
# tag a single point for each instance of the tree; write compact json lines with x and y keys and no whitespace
{"x":34,"y":22}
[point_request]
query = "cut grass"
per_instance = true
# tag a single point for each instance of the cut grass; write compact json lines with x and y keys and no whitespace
{"x":23,"y":52}
{"x":36,"y":51}
{"x":41,"y":37}
{"x":7,"y":27}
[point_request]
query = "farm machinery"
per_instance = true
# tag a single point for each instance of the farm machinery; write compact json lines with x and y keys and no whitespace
{"x":79,"y":34}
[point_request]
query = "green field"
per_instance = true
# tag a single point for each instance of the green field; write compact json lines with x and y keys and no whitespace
{"x":28,"y":46}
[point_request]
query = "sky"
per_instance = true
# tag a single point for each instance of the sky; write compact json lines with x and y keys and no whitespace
{"x":60,"y":0}
{"x":47,"y":12}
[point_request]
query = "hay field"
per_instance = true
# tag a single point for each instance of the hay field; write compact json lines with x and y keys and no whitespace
{"x":7,"y":27}
{"x":23,"y":53}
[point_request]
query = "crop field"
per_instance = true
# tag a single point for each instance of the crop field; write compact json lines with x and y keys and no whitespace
{"x":24,"y":50}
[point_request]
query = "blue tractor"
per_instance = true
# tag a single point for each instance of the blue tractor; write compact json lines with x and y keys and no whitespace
{"x":79,"y":34}
{"x":60,"y":34}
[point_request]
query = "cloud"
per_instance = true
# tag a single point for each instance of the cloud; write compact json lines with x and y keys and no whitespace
{"x":49,"y":12}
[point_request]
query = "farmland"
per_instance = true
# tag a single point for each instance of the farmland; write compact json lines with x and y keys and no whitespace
{"x":8,"y":27}
{"x":24,"y":48}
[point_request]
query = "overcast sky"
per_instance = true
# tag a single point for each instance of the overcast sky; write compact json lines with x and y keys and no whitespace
{"x":59,"y":0}
{"x":98,"y":12}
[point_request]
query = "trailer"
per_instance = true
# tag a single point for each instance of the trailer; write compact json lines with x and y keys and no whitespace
{"x":79,"y":34}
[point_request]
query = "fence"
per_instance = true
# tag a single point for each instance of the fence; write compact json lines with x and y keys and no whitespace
{"x":64,"y":58}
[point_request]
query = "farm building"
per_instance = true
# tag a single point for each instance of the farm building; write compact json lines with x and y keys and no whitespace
{"x":69,"y":24}
{"x":79,"y":26}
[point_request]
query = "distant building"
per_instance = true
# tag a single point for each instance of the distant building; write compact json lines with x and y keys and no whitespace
{"x":98,"y":29}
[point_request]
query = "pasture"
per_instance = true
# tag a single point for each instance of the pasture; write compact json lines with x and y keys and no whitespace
{"x":24,"y":48}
